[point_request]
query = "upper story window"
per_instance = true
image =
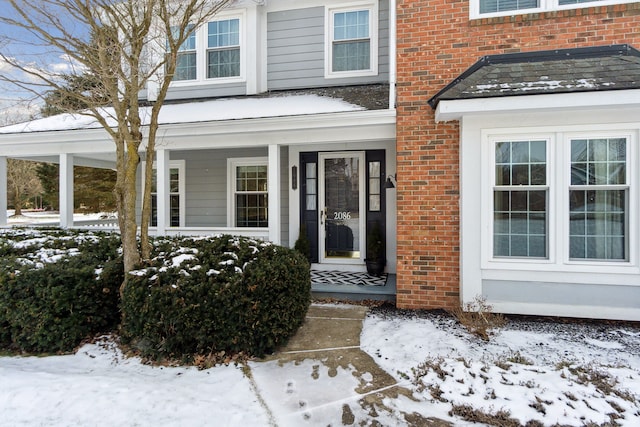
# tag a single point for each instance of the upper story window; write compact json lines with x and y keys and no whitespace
{"x":223,"y":48}
{"x":351,"y":46}
{"x":487,"y":8}
{"x":186,"y":60}
{"x":212,"y":53}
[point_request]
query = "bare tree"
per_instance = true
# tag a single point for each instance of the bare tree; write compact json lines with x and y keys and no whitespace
{"x":127,"y":45}
{"x":22,"y":182}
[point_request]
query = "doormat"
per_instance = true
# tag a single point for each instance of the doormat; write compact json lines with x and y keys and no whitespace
{"x":346,"y":278}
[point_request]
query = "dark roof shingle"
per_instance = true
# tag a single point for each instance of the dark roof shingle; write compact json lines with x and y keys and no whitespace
{"x":554,"y":71}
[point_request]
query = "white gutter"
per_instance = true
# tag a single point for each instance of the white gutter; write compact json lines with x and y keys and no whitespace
{"x":392,"y":54}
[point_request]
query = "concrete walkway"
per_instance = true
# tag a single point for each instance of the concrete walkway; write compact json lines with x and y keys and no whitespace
{"x":326,"y":351}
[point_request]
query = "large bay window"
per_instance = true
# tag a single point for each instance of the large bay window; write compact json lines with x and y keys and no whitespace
{"x":351,"y":46}
{"x":248,"y":192}
{"x":482,"y":8}
{"x":569,"y":191}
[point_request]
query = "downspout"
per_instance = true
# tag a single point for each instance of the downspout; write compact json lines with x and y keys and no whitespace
{"x":392,"y":54}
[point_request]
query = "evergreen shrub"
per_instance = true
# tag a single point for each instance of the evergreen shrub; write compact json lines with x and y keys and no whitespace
{"x":208,"y":295}
{"x":57,"y":288}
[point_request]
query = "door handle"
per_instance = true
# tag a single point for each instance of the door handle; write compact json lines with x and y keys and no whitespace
{"x":323,"y":216}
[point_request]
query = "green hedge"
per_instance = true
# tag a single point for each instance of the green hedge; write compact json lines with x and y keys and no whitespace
{"x":226,"y":293}
{"x":57,"y":288}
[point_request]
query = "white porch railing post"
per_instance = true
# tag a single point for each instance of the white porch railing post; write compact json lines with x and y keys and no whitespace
{"x":3,"y":190}
{"x":162,"y":190}
{"x":274,"y":193}
{"x":66,"y":190}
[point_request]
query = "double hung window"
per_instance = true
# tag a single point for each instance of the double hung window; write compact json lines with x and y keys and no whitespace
{"x":352,"y":41}
{"x":223,"y":48}
{"x":186,"y":64}
{"x":598,"y":197}
{"x":249,"y":195}
{"x":520,"y":199}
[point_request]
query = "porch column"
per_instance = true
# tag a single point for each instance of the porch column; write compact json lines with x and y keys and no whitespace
{"x":66,"y":190}
{"x":162,"y":190}
{"x":274,"y":193}
{"x":3,"y":190}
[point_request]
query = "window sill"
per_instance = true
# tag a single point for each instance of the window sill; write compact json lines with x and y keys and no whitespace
{"x":350,"y":74}
{"x":220,"y":81}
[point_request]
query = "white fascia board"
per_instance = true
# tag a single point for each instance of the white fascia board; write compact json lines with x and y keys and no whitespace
{"x":56,"y":142}
{"x":351,"y":126}
{"x":354,"y":126}
{"x":456,"y":109}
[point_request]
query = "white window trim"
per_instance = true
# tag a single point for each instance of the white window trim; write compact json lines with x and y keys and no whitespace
{"x":558,"y":180}
{"x":232,"y":164}
{"x":545,"y":6}
{"x":182,"y":187}
{"x":373,"y":37}
{"x":201,"y":53}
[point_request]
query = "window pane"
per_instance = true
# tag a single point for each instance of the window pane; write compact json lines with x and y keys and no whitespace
{"x":351,"y":25}
{"x":251,"y":210}
{"x":223,"y":63}
{"x":154,"y":210}
{"x":598,"y":161}
{"x":311,"y":170}
{"x":185,"y":66}
{"x":174,"y":210}
{"x":174,"y":180}
{"x":521,"y":163}
{"x":598,"y":224}
{"x":374,"y":202}
{"x":311,"y":202}
{"x":223,"y":33}
{"x":520,"y":223}
{"x":351,"y":56}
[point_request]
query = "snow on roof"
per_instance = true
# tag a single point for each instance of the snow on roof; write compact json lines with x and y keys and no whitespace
{"x":202,"y":111}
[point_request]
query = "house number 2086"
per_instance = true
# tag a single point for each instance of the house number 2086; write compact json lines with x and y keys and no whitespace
{"x":341,"y":215}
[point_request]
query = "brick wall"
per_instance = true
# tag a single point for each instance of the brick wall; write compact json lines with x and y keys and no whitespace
{"x":436,"y":43}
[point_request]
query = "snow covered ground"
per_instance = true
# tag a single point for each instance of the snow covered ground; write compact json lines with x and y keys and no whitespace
{"x":50,"y":217}
{"x":565,"y":373}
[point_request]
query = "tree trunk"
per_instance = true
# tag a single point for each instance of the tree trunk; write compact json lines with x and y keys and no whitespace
{"x":128,"y":225}
{"x":17,"y":203}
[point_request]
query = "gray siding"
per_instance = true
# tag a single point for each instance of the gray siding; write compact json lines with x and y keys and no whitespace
{"x":577,"y":294}
{"x":206,"y":90}
{"x":295,"y":50}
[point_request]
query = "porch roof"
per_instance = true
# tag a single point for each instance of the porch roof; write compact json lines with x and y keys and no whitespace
{"x":603,"y":68}
{"x":199,"y":111}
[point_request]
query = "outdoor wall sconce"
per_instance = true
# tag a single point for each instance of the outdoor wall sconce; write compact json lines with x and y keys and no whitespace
{"x":294,"y":177}
{"x":389,"y":183}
